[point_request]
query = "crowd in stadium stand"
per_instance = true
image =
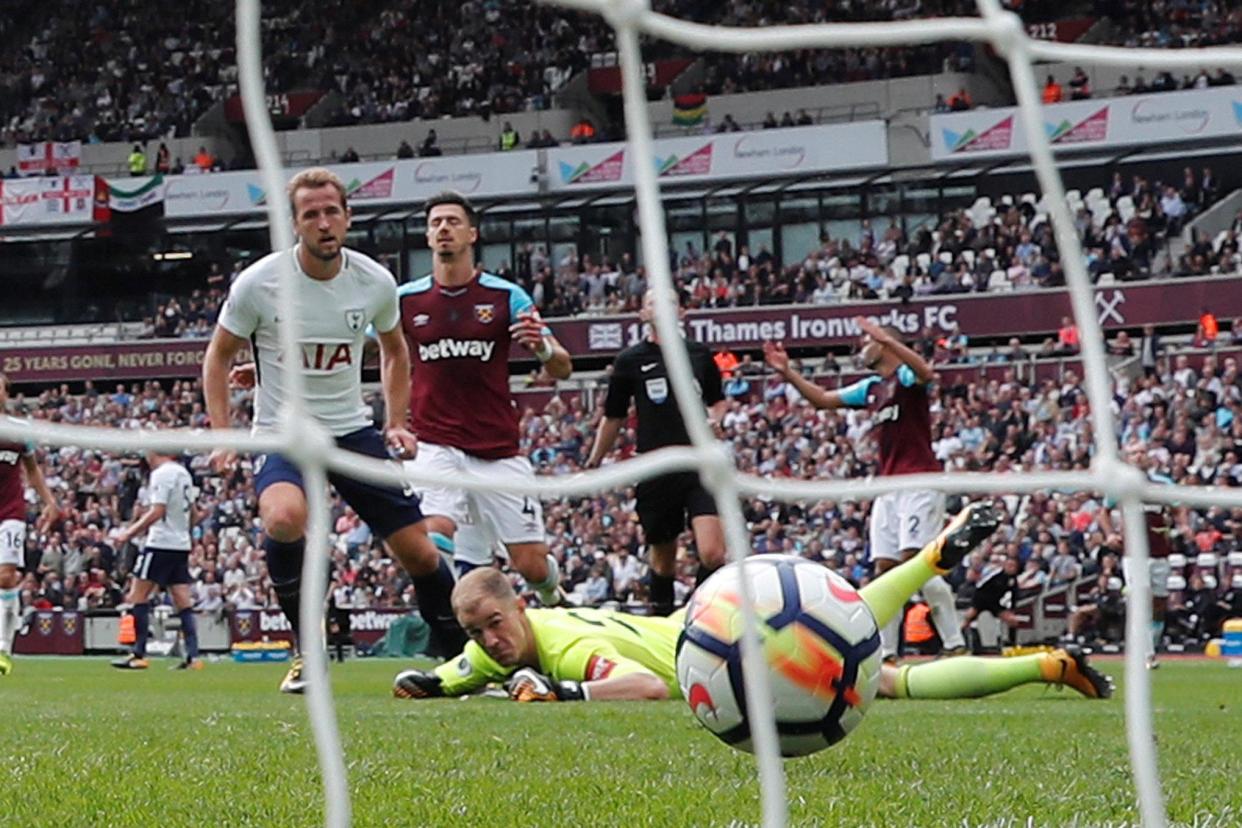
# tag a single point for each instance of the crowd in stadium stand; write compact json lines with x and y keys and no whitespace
{"x":111,"y":71}
{"x":1159,"y":24}
{"x":1124,"y":234}
{"x":1007,"y":247}
{"x":1187,"y":422}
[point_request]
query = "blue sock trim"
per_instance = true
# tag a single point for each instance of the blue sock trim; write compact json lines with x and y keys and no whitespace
{"x":142,"y":628}
{"x":189,"y":629}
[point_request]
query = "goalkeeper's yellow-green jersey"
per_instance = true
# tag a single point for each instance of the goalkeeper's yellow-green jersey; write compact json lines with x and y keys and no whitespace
{"x":579,"y":645}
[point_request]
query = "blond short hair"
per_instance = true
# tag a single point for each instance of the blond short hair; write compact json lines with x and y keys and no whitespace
{"x":313,"y":179}
{"x":482,"y":582}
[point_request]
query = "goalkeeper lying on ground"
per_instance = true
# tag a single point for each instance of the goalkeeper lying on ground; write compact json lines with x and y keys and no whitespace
{"x":591,"y":654}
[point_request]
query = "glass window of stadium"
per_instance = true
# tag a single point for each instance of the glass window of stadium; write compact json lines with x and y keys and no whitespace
{"x":759,"y":219}
{"x":919,"y":205}
{"x":841,"y":214}
{"x":800,"y":228}
{"x":417,"y":253}
{"x":721,"y":216}
{"x":611,"y":229}
{"x":563,"y":236}
{"x":684,"y":221}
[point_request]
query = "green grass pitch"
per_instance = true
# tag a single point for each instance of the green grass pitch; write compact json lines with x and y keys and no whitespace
{"x":85,"y":745}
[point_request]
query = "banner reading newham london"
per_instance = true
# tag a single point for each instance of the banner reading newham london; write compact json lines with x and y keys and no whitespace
{"x":1165,"y":117}
{"x":370,"y":183}
{"x":767,"y":153}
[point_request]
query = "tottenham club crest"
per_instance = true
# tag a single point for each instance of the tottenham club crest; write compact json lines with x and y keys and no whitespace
{"x":485,"y":313}
{"x":356,"y":319}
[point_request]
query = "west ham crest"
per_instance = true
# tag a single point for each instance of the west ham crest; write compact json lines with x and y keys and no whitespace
{"x":485,"y":313}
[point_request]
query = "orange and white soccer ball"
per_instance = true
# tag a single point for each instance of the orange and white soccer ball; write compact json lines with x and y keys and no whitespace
{"x":820,"y":644}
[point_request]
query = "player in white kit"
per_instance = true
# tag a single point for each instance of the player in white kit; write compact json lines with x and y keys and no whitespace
{"x":164,"y":560}
{"x":340,"y":294}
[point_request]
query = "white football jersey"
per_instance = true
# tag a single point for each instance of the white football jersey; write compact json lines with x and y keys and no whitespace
{"x":172,"y":486}
{"x":334,"y":314}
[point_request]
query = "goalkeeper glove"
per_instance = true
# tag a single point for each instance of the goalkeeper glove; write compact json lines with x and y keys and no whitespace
{"x":416,"y":684}
{"x":527,"y":685}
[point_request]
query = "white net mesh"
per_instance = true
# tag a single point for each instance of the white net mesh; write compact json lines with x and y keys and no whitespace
{"x":307,"y":444}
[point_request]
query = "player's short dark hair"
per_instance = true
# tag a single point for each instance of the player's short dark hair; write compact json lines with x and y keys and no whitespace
{"x":452,"y":197}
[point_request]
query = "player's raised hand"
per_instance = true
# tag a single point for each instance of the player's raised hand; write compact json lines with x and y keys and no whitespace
{"x":528,"y":329}
{"x":242,"y":376}
{"x":774,"y":355}
{"x":222,"y":460}
{"x":401,"y":441}
{"x":871,"y":329}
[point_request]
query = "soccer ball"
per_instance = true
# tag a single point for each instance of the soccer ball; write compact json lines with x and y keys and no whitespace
{"x":820,"y":643}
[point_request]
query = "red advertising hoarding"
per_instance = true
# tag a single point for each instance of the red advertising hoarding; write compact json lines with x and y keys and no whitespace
{"x":367,"y":626}
{"x":52,"y":632}
{"x":1164,"y":302}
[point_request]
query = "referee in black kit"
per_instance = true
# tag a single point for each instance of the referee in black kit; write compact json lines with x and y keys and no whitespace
{"x":664,"y":502}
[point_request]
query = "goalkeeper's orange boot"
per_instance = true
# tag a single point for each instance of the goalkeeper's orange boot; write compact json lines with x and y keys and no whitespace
{"x":972,"y":526}
{"x":1069,"y":667}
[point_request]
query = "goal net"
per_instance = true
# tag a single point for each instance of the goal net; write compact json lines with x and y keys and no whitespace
{"x":307,"y":444}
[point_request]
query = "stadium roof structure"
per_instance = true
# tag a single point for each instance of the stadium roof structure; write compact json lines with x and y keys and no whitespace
{"x":937,"y":173}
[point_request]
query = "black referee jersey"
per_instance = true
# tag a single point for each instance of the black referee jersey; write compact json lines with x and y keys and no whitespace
{"x":639,"y":374}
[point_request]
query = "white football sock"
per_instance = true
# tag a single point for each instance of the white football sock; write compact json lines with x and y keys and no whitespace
{"x":10,"y":618}
{"x":939,"y":596}
{"x":890,"y":635}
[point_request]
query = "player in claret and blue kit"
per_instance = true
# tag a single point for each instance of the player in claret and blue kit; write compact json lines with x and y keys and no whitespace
{"x":460,"y":324}
{"x":16,"y":458}
{"x":901,"y":522}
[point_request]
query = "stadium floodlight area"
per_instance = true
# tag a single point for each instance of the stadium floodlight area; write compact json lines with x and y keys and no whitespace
{"x":306,"y":443}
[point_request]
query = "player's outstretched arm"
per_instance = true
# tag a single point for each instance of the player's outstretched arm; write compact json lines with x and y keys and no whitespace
{"x":51,"y":506}
{"x":921,"y":368}
{"x":605,"y":438}
{"x":417,"y":684}
{"x":774,"y":354}
{"x":529,"y":685}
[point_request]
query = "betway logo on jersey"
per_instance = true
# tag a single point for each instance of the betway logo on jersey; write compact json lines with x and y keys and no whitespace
{"x":449,"y":348}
